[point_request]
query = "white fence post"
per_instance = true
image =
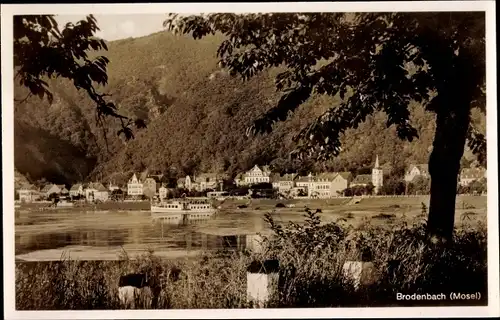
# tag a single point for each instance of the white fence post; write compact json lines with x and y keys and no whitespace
{"x":262,"y":281}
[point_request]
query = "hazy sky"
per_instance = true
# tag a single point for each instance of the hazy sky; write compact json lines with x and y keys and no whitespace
{"x":120,"y":26}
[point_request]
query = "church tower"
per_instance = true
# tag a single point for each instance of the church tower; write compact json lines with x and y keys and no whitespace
{"x":377,"y":176}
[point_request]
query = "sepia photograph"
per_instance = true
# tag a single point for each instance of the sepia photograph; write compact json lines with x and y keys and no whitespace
{"x":296,"y":157}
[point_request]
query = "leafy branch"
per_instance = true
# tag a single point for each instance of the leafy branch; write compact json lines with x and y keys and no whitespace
{"x":43,"y":51}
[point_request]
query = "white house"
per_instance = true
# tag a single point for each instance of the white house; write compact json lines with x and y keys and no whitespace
{"x":28,"y":193}
{"x":135,"y":186}
{"x":321,"y":185}
{"x":96,"y":192}
{"x":257,"y":175}
{"x":329,"y":184}
{"x":285,"y":183}
{"x":468,"y":175}
{"x":54,"y":188}
{"x":76,"y":190}
{"x":63,"y":189}
{"x":416,"y":170}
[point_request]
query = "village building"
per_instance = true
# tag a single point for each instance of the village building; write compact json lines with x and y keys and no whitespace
{"x":28,"y":193}
{"x":63,"y":189}
{"x":273,"y":178}
{"x":285,"y":183}
{"x":58,"y":189}
{"x":329,"y":184}
{"x":76,"y":190}
{"x":96,"y":192}
{"x":362,"y":180}
{"x":304,"y":183}
{"x":151,"y":185}
{"x":416,"y":170}
{"x":202,"y":182}
{"x":190,"y":183}
{"x":376,"y":178}
{"x":321,"y":185}
{"x":134,"y":186}
{"x":468,"y":175}
{"x":341,"y":182}
{"x":208,"y":181}
{"x":163,"y":192}
{"x":257,"y":175}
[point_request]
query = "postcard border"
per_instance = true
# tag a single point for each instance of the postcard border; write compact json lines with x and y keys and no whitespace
{"x":7,"y":11}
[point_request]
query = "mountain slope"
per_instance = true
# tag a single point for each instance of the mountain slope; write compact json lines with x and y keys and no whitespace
{"x":196,"y":114}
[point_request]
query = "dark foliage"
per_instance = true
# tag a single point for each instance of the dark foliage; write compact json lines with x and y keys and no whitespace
{"x":42,"y":51}
{"x":370,"y":62}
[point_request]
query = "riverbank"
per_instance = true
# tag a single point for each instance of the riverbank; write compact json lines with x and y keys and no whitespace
{"x":146,"y":205}
{"x":88,"y":253}
{"x":109,"y":205}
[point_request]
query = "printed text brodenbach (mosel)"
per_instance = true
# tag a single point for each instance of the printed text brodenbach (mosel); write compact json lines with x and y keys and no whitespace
{"x":439,"y":296}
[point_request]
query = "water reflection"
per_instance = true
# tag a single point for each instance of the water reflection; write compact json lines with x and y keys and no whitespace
{"x":195,"y":240}
{"x":96,"y":238}
{"x":128,"y":228}
{"x":205,"y":241}
{"x":177,"y":220}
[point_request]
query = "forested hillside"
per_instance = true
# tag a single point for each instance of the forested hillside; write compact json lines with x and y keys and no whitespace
{"x":196,"y":115}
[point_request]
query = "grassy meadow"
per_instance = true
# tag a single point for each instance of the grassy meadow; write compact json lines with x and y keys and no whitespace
{"x":311,"y":253}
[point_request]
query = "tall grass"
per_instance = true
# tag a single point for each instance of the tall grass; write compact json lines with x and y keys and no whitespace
{"x":404,"y":260}
{"x":213,"y":281}
{"x":311,"y":257}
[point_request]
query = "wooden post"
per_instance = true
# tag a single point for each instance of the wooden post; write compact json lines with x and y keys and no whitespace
{"x":262,"y":282}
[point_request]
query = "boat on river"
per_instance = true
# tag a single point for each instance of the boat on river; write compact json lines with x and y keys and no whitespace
{"x":183,"y":209}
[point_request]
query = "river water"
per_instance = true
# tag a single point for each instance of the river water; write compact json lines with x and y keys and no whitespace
{"x":89,"y":234}
{"x":94,"y":235}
